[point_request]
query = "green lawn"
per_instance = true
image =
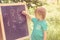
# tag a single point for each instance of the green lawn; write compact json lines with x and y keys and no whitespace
{"x":53,"y":21}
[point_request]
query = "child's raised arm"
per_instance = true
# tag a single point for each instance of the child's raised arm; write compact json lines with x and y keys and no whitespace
{"x":27,"y":14}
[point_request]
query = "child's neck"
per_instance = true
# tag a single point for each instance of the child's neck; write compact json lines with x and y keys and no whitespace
{"x":40,"y":19}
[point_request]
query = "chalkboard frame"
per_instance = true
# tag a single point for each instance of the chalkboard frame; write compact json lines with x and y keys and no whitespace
{"x":2,"y":24}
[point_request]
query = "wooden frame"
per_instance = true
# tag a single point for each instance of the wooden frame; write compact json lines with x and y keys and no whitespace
{"x":2,"y":24}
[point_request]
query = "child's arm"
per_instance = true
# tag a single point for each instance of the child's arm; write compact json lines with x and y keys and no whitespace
{"x":45,"y":35}
{"x":27,"y":14}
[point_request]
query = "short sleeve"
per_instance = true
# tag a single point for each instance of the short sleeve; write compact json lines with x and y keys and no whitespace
{"x":33,"y":20}
{"x":44,"y":26}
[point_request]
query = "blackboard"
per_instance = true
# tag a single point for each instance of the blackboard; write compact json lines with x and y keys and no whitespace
{"x":15,"y":23}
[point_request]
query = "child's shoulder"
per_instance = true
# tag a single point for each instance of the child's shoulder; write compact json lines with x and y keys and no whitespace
{"x":34,"y":19}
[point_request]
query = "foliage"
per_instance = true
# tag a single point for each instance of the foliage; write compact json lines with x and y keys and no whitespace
{"x":52,"y":17}
{"x":29,"y":2}
{"x":53,"y":21}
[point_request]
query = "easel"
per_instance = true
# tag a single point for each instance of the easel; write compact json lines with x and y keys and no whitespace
{"x":2,"y":24}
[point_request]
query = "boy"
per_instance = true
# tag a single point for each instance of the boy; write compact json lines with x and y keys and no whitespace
{"x":40,"y":26}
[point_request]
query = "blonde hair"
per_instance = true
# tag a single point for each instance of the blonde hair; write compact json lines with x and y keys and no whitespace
{"x":41,"y":10}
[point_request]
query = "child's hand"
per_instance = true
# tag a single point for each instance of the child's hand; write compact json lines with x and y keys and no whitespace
{"x":27,"y":14}
{"x":24,"y":12}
